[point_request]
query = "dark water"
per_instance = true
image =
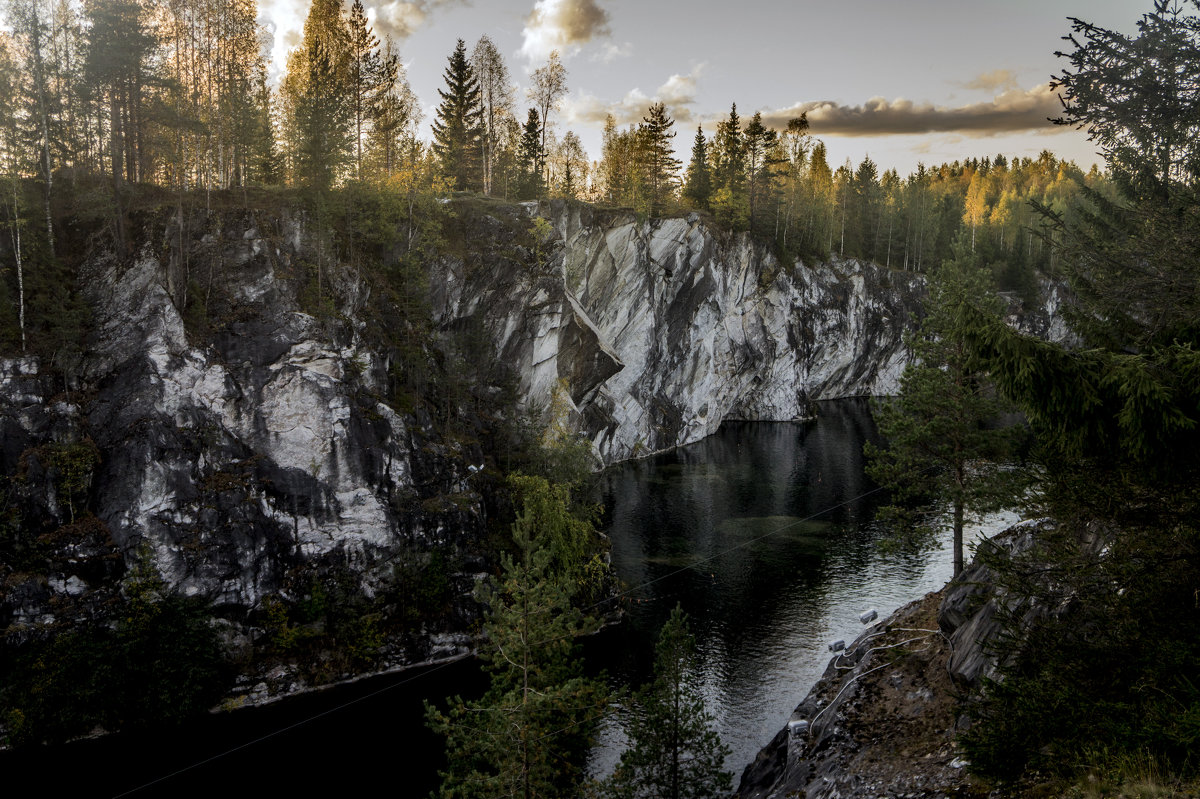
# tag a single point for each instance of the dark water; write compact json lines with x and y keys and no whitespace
{"x":762,"y":532}
{"x":362,"y":739}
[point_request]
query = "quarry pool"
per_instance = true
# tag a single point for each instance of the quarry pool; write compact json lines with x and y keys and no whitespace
{"x":763,"y":532}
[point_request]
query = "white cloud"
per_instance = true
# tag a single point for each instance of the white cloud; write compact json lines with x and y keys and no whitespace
{"x":994,"y":81}
{"x":678,"y":93}
{"x":563,"y":25}
{"x":611,"y":52}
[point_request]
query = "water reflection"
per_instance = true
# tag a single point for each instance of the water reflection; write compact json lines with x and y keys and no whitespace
{"x":760,"y":531}
{"x":763,"y":532}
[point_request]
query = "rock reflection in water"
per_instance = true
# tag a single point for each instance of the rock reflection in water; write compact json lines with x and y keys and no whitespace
{"x":764,"y":533}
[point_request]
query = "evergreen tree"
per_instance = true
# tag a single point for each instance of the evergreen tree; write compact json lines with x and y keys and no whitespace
{"x":528,"y":735}
{"x":120,"y":45}
{"x":661,"y":167}
{"x":530,"y":157}
{"x":458,"y":129}
{"x":697,"y":186}
{"x":943,"y":448}
{"x":757,"y":142}
{"x":1113,"y":672}
{"x":393,"y":118}
{"x":316,"y":99}
{"x":865,"y":211}
{"x":674,"y":752}
{"x":729,"y":201}
{"x":372,"y":75}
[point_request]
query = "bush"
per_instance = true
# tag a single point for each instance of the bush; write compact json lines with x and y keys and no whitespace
{"x":161,"y":664}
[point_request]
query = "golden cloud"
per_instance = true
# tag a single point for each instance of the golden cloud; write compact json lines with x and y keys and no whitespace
{"x":1008,"y":112}
{"x":562,"y":25}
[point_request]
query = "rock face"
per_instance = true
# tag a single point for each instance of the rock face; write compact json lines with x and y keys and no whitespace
{"x":231,"y":456}
{"x":879,"y":723}
{"x":660,"y":330}
{"x":882,"y":719}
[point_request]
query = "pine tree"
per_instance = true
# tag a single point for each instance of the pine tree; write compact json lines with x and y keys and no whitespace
{"x":757,"y":143}
{"x":674,"y":752}
{"x":120,"y":44}
{"x":697,"y":186}
{"x":393,"y":118}
{"x":316,"y":99}
{"x":943,"y":448}
{"x":660,"y":166}
{"x":372,"y":75}
{"x":458,"y":129}
{"x":528,"y":735}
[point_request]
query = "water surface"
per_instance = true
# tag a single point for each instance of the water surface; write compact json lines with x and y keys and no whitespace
{"x":764,"y":533}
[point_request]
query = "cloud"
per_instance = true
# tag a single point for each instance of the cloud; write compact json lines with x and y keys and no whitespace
{"x":1008,"y":112}
{"x":678,"y":93}
{"x":563,"y":25}
{"x":401,"y":18}
{"x":611,"y":52}
{"x":994,"y":81}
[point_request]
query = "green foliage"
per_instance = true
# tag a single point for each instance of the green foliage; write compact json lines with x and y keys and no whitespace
{"x":552,"y":521}
{"x":1112,"y":675}
{"x":944,"y":448}
{"x":328,"y":628}
{"x":458,"y":130}
{"x":422,"y":586}
{"x":71,"y":466}
{"x":56,"y":314}
{"x":162,"y":664}
{"x":1117,"y":670}
{"x":674,"y":752}
{"x":531,"y":158}
{"x":697,"y":185}
{"x":542,"y":233}
{"x":659,"y":162}
{"x":529,"y":734}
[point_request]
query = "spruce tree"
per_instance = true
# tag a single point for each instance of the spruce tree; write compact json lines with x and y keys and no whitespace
{"x":315,"y":93}
{"x":458,"y":129}
{"x":697,"y":186}
{"x":372,"y":74}
{"x":660,"y":166}
{"x":729,"y":200}
{"x":943,"y":448}
{"x":674,"y":752}
{"x":530,"y":158}
{"x":529,"y":734}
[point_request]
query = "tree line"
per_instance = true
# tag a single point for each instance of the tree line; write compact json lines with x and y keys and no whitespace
{"x":179,"y":96}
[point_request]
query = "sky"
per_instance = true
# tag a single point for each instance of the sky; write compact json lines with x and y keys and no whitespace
{"x":900,"y":81}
